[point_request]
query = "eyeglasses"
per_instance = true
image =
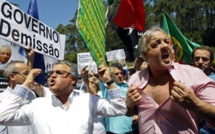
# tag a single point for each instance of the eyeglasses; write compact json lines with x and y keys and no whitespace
{"x":24,"y":74}
{"x":61,"y":73}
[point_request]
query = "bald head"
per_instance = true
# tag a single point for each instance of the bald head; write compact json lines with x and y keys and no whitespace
{"x":5,"y":53}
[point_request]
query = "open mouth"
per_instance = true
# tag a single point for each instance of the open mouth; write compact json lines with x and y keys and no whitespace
{"x":51,"y":82}
{"x":165,"y":56}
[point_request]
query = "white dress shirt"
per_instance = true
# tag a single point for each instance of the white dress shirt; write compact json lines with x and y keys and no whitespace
{"x":3,"y":130}
{"x":49,"y":116}
{"x":16,"y":129}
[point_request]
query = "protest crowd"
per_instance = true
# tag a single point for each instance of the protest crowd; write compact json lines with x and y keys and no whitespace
{"x":152,"y":103}
{"x":155,"y":95}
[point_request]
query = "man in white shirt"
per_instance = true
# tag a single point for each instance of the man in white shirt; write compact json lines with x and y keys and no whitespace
{"x":65,"y":111}
{"x":16,"y":73}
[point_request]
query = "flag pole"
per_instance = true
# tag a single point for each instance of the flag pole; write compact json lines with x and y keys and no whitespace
{"x":107,"y":11}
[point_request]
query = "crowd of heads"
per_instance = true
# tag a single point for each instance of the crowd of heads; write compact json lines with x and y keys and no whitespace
{"x":155,"y":55}
{"x":118,"y":73}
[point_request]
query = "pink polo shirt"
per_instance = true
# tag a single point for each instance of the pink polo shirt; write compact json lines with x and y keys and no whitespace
{"x":169,"y":117}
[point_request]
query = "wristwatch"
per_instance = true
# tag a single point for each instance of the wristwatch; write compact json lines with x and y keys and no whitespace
{"x":110,"y":82}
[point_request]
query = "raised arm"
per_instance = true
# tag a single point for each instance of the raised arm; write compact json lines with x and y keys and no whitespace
{"x":14,"y":109}
{"x":30,"y":56}
{"x":105,"y":77}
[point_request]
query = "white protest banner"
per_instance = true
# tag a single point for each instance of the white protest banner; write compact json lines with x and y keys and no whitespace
{"x":115,"y":55}
{"x":8,"y":52}
{"x":24,"y":30}
{"x":14,"y":55}
{"x":84,"y":59}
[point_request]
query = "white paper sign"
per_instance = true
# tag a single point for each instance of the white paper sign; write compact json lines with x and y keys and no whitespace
{"x":115,"y":55}
{"x":49,"y":63}
{"x":24,"y":30}
{"x":84,"y":59}
{"x":16,"y":56}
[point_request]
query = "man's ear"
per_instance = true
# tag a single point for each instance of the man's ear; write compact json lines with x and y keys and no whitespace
{"x":74,"y":81}
{"x":12,"y":77}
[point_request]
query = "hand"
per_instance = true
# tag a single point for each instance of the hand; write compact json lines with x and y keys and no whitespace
{"x":104,"y":73}
{"x":184,"y":96}
{"x":91,"y":74}
{"x":144,"y":65}
{"x":133,"y":96}
{"x":84,"y":72}
{"x":30,"y":78}
{"x":135,"y":119}
{"x":30,"y":53}
{"x":30,"y":56}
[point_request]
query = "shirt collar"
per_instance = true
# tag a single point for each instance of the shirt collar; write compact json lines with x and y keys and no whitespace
{"x":173,"y":70}
{"x":124,"y":84}
{"x":8,"y":89}
{"x":56,"y":101}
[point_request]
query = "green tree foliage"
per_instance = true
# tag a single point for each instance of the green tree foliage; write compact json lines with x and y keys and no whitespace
{"x":195,"y":19}
{"x":74,"y":42}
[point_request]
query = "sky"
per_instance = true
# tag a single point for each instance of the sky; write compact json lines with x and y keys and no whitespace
{"x":51,"y":12}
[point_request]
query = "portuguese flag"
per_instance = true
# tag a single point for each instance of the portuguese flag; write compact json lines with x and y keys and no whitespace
{"x":181,"y":45}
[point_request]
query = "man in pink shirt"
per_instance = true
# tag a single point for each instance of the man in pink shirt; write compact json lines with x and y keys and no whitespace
{"x":169,"y":97}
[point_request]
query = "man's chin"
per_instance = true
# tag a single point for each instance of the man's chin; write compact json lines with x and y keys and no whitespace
{"x":51,"y":88}
{"x":120,"y":82}
{"x":167,"y":64}
{"x":202,"y":68}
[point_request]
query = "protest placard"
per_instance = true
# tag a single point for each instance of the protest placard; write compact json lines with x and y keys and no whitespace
{"x":84,"y":59}
{"x":22,"y":29}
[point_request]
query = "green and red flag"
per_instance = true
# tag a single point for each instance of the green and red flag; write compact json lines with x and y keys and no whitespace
{"x":182,"y":46}
{"x":131,"y":13}
{"x":128,"y":20}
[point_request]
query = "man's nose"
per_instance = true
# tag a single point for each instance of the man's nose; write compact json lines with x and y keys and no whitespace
{"x":164,"y":47}
{"x":164,"y":44}
{"x":120,"y":74}
{"x":200,"y":60}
